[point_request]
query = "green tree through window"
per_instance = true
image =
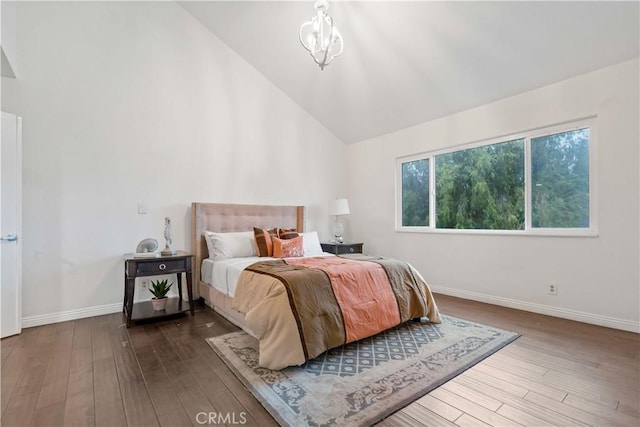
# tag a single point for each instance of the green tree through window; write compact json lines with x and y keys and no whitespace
{"x":415,"y":193}
{"x":560,"y":175}
{"x":481,"y":188}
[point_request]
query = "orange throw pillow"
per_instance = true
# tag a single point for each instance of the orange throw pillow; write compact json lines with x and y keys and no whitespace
{"x":288,"y":248}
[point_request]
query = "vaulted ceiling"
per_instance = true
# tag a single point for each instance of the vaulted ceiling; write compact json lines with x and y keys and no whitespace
{"x":405,"y":63}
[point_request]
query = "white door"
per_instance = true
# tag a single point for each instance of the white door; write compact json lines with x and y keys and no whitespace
{"x":10,"y":225}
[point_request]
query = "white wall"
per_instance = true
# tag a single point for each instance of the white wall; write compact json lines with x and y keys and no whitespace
{"x":598,"y":277}
{"x":135,"y":101}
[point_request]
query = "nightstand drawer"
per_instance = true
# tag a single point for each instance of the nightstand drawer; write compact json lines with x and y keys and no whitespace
{"x":342,"y":248}
{"x":160,"y":267}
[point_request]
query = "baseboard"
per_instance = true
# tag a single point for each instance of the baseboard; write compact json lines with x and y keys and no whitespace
{"x":63,"y":316}
{"x":579,"y":316}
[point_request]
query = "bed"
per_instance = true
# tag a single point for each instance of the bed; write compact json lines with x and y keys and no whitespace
{"x":268,"y":297}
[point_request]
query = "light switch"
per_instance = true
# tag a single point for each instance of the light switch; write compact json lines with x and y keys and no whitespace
{"x":143,"y":207}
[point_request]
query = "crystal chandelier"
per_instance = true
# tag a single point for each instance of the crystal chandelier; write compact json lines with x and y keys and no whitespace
{"x":320,"y":37}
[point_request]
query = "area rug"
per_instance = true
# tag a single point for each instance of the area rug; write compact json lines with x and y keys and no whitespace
{"x":361,"y":383}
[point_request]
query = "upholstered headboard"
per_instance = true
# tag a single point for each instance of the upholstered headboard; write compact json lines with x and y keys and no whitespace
{"x":225,"y":218}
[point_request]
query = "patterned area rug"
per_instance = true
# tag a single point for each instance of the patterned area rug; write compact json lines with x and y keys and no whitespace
{"x":361,"y":383}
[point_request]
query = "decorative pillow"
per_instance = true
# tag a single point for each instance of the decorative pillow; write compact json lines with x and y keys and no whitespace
{"x":230,"y":245}
{"x":263,"y":242}
{"x":288,"y":248}
{"x":311,"y":244}
{"x":285,"y":234}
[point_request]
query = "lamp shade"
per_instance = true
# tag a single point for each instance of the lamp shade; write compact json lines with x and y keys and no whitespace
{"x":338,"y":207}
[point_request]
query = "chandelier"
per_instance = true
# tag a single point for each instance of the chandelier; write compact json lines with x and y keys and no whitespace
{"x":320,"y":37}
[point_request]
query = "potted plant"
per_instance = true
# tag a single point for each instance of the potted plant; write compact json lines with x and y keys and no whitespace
{"x":159,"y":290}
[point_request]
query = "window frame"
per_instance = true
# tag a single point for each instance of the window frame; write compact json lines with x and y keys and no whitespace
{"x":527,"y":135}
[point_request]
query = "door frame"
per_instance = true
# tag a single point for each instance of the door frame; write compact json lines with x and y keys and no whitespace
{"x":18,"y":230}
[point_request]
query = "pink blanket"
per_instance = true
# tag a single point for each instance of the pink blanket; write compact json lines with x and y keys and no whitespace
{"x":363,"y":293}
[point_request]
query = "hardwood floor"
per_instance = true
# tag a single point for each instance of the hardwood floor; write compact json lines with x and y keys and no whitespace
{"x":97,"y":372}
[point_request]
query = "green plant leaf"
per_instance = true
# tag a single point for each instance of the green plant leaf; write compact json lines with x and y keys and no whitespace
{"x":159,"y":288}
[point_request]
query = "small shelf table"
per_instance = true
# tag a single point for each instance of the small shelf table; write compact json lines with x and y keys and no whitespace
{"x":154,"y":266}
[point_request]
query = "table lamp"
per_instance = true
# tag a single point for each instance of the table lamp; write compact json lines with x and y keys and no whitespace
{"x":338,"y":207}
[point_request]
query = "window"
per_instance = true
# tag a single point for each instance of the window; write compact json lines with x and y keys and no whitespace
{"x":415,"y":193}
{"x":538,"y":182}
{"x":481,"y":188}
{"x":560,"y":180}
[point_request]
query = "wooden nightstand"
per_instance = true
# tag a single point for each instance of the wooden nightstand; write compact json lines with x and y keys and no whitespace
{"x":342,"y":248}
{"x":140,"y":267}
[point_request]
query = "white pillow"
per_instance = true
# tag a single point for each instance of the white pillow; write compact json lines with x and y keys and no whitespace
{"x":230,"y":245}
{"x":311,"y":243}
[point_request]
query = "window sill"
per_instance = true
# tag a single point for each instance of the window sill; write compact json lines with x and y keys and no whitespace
{"x":523,"y":233}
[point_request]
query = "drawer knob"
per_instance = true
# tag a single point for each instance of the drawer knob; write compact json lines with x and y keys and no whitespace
{"x":162,"y":266}
{"x":350,"y":249}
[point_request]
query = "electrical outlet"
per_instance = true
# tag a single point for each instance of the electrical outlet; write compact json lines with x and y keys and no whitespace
{"x":144,"y":283}
{"x":553,"y":289}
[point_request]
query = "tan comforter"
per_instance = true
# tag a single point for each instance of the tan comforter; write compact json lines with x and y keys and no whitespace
{"x":299,"y":308}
